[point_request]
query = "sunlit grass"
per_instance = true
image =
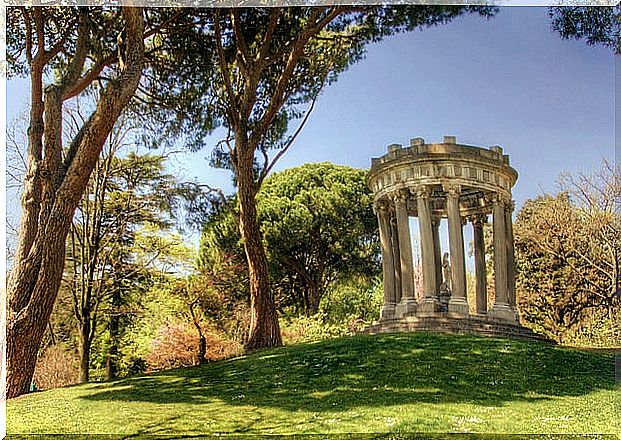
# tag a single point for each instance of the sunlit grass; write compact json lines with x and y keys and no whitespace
{"x":388,"y":383}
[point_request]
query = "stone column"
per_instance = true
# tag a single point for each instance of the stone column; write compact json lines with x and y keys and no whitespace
{"x":501,"y":308}
{"x":458,"y":302}
{"x":437,"y":252}
{"x":396,"y":257}
{"x":510,"y":254}
{"x":479,"y":263}
{"x":428,"y":303}
{"x":407,"y":305}
{"x":388,"y":268}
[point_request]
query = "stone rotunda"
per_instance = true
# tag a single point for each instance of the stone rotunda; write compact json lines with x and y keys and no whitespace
{"x":463,"y":185}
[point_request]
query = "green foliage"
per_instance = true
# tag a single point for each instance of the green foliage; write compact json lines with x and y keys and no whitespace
{"x":318,"y":228}
{"x":158,"y":307}
{"x":59,"y":27}
{"x":121,"y":242}
{"x":166,"y":334}
{"x":345,"y":309}
{"x":595,"y":24}
{"x":162,"y":249}
{"x":318,"y":225}
{"x":597,"y":328}
{"x":382,"y":385}
{"x":354,"y":303}
{"x":299,"y":329}
{"x":221,"y":255}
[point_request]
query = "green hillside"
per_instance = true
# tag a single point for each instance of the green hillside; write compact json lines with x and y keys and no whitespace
{"x":388,"y":383}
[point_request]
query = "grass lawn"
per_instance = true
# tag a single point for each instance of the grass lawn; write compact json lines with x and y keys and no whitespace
{"x":420,"y":382}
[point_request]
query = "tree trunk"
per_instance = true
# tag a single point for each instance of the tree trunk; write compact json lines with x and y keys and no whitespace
{"x":306,"y":301}
{"x":38,"y":269}
{"x":31,"y":194}
{"x":264,"y":328}
{"x":112,"y":369}
{"x":85,"y":350}
{"x":313,"y":298}
{"x":202,"y":349}
{"x":316,"y":283}
{"x":202,"y":342}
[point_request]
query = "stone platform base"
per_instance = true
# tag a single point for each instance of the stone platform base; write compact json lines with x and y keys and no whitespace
{"x":450,"y":323}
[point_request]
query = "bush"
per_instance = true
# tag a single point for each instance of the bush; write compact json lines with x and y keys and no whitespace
{"x":310,"y":328}
{"x":598,"y":330}
{"x":343,"y":311}
{"x":177,"y":346}
{"x":354,"y":300}
{"x":56,"y":367}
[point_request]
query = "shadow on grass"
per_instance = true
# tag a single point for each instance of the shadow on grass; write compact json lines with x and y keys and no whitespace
{"x":381,"y":370}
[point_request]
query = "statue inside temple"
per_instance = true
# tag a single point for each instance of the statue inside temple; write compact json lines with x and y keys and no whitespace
{"x":446,"y":273}
{"x":445,"y":288}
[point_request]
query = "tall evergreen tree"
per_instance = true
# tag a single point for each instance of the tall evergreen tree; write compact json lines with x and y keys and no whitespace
{"x":80,"y":45}
{"x":260,"y":70}
{"x":318,"y":228}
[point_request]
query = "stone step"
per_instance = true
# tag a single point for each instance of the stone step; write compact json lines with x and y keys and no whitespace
{"x":453,"y":324}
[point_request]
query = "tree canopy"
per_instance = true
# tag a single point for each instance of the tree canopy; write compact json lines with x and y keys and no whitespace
{"x":317,"y":225}
{"x":595,"y":24}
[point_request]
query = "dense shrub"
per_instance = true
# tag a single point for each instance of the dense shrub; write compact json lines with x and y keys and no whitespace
{"x":597,"y":329}
{"x":343,"y":310}
{"x":56,"y":367}
{"x":352,"y":300}
{"x":310,"y":328}
{"x":177,"y":346}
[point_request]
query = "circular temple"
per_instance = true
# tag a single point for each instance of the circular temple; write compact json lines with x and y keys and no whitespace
{"x":459,"y":184}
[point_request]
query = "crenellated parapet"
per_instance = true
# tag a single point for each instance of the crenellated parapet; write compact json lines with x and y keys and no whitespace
{"x":478,"y":171}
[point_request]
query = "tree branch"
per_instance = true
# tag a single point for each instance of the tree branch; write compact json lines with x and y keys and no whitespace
{"x":28,"y":26}
{"x":271,"y":27}
{"x":39,"y":29}
{"x":77,"y":63}
{"x":316,"y":24}
{"x":165,"y":23}
{"x":267,"y":168}
{"x":242,"y":46}
{"x":93,"y":73}
{"x":224,"y":69}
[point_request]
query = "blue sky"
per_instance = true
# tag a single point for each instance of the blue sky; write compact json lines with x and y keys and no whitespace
{"x":506,"y":81}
